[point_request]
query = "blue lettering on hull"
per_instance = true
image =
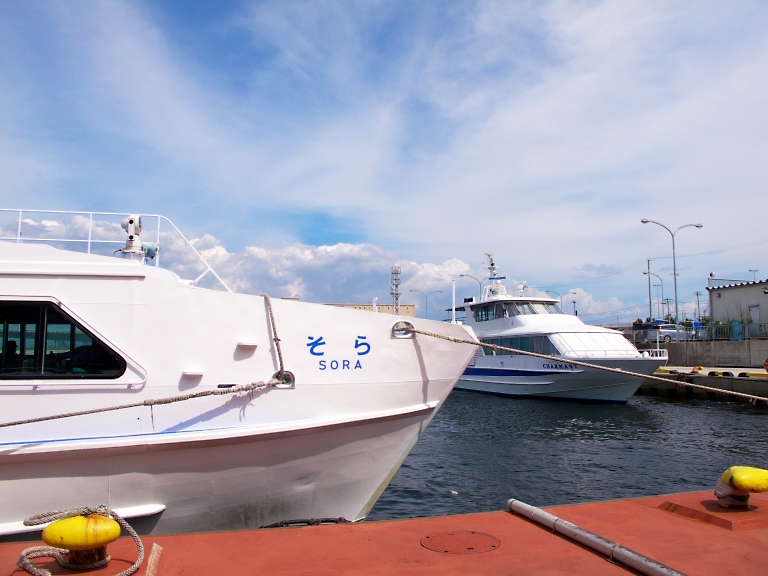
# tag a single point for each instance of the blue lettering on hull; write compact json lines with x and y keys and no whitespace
{"x":339,"y":365}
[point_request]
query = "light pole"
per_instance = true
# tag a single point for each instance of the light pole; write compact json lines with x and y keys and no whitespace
{"x":558,"y":295}
{"x":674,"y":262}
{"x":754,"y":274}
{"x":476,"y":280}
{"x":426,"y":299}
{"x":574,"y":308}
{"x":658,"y":300}
{"x":662,"y":286}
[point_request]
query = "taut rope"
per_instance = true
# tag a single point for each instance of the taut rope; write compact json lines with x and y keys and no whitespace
{"x":560,"y":359}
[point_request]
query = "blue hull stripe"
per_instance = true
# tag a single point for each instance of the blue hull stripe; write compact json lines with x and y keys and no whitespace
{"x":505,"y":372}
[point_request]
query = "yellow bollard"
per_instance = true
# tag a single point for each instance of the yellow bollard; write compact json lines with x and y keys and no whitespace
{"x":86,"y":537}
{"x":737,"y":483}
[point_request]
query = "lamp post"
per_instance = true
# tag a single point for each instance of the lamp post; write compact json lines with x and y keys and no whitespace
{"x":558,"y":295}
{"x":574,"y":308}
{"x":754,"y":274}
{"x":476,"y":280}
{"x":426,"y":299}
{"x":674,"y":262}
{"x":662,"y":285}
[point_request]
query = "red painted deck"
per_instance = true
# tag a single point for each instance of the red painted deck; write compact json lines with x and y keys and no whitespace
{"x":688,"y":532}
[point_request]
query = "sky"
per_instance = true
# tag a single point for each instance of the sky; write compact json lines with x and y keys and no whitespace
{"x":307,"y":147}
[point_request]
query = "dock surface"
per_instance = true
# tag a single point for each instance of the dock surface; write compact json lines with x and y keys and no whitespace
{"x":687,"y":532}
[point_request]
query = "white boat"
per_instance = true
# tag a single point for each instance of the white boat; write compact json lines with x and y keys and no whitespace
{"x":538,"y":325}
{"x":340,"y":399}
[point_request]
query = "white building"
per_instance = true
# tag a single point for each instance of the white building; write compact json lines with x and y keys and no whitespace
{"x":738,"y":300}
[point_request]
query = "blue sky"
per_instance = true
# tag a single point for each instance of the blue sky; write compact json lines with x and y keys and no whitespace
{"x":310,"y":146}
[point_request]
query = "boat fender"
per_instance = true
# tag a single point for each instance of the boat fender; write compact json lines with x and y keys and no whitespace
{"x":736,"y":484}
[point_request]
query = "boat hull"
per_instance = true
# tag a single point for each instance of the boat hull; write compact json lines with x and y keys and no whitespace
{"x":533,"y":378}
{"x":226,"y":483}
{"x":171,"y":435}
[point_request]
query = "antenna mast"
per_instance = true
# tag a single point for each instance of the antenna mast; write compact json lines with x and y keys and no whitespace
{"x":395,"y":289}
{"x":491,"y":265}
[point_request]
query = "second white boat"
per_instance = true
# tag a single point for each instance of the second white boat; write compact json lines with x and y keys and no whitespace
{"x":538,"y":325}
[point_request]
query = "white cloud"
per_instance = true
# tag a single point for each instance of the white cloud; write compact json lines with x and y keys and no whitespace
{"x":541,"y":131}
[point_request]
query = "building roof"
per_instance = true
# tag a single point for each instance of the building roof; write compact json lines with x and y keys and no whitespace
{"x":720,"y":283}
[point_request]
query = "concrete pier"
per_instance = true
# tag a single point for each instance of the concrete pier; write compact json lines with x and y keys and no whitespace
{"x":752,"y":381}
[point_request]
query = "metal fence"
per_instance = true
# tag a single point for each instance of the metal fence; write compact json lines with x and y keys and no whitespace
{"x":724,"y":331}
{"x":734,"y":331}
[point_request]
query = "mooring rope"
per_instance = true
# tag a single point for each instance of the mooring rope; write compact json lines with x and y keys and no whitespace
{"x":751,"y":397}
{"x":152,"y":402}
{"x":275,"y":339}
{"x":275,"y":380}
{"x":25,"y":563}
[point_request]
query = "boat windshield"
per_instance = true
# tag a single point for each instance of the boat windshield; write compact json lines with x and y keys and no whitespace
{"x":508,"y":309}
{"x":546,"y":308}
{"x":515,"y":308}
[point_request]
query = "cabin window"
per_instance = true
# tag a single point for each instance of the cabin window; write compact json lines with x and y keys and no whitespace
{"x":39,"y":341}
{"x":536,"y":344}
{"x":483,"y":313}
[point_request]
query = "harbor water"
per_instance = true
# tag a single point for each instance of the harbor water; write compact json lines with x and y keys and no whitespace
{"x":482,"y":450}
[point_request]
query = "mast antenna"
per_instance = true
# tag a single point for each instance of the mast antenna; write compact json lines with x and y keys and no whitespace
{"x":395,"y":289}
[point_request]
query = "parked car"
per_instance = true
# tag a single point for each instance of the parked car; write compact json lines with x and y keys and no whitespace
{"x":669,"y":332}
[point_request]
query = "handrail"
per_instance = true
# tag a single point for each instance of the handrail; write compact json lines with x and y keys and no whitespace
{"x":19,"y":238}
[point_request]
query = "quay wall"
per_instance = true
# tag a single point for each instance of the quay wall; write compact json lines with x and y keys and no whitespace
{"x":750,"y":353}
{"x":676,"y":387}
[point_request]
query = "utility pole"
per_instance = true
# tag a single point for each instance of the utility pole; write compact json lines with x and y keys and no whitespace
{"x":650,"y":311}
{"x":698,"y":308}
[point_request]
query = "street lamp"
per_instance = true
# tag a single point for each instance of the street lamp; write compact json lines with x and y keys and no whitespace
{"x":426,"y":299}
{"x":574,"y":307}
{"x":662,"y":285}
{"x":558,"y":295}
{"x":754,"y":274}
{"x":476,"y":280}
{"x":674,"y":262}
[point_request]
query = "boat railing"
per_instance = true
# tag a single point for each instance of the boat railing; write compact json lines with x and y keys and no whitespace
{"x":609,"y":353}
{"x":91,"y":232}
{"x":656,"y":353}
